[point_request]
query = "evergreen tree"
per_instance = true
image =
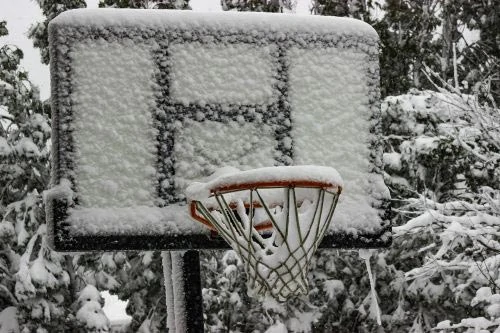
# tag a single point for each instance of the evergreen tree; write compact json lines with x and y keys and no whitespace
{"x":481,"y":59}
{"x":42,"y":284}
{"x":271,"y":6}
{"x":24,"y":130}
{"x":145,"y":4}
{"x":39,"y":31}
{"x":31,"y":275}
{"x":359,"y":9}
{"x":406,"y":37}
{"x":406,"y":32}
{"x":139,"y":279}
{"x":443,"y":160}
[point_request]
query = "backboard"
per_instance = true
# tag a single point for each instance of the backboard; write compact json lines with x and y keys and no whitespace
{"x":147,"y":101}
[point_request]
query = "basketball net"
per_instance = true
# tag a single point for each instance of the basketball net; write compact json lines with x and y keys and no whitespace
{"x":275,"y":227}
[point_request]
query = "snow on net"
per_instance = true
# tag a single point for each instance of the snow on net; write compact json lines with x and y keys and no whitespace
{"x":274,"y":218}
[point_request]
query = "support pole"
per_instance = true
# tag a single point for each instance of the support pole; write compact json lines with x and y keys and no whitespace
{"x":181,"y":270}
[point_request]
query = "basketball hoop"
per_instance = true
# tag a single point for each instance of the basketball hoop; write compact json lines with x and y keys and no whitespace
{"x":274,"y":219}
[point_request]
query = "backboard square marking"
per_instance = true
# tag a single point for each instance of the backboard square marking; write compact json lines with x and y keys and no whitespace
{"x":222,"y":74}
{"x":114,"y":137}
{"x":202,"y":147}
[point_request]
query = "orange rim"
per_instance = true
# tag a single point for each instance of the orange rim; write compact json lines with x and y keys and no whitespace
{"x":194,"y":214}
{"x":280,"y":183}
{"x":254,"y":185}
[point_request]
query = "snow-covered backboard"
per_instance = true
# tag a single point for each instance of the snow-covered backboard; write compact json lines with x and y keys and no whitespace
{"x":147,"y":101}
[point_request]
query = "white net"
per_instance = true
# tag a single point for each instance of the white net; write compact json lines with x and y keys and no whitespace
{"x":275,"y":240}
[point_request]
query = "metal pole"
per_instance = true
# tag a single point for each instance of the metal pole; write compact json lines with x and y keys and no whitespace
{"x":181,"y":271}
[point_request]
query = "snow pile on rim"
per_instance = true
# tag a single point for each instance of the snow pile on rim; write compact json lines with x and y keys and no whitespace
{"x":227,"y":177}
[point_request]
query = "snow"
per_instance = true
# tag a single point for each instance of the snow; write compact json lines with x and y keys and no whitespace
{"x":154,"y":220}
{"x":333,"y":288}
{"x":234,"y":22}
{"x":39,"y":273}
{"x":374,"y":308}
{"x":179,"y":297}
{"x":200,"y":74}
{"x":336,"y":111}
{"x":303,"y":321}
{"x":104,"y":220}
{"x":7,"y":229}
{"x":90,"y":312}
{"x":62,"y":191}
{"x":476,"y":323}
{"x":174,"y":287}
{"x":443,"y":324}
{"x":88,"y":294}
{"x":92,"y":315}
{"x":425,"y":144}
{"x":25,"y":146}
{"x":278,"y":327}
{"x":484,"y":294}
{"x":493,"y":310}
{"x":5,"y":148}
{"x":276,"y":265}
{"x":146,"y":102}
{"x":299,"y":173}
{"x":8,"y":321}
{"x":242,"y":146}
{"x":23,"y":276}
{"x":423,"y":220}
{"x":169,"y":289}
{"x":392,"y":161}
{"x":101,"y":171}
{"x":39,"y":121}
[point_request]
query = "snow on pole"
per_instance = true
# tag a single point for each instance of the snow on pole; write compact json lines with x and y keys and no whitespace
{"x":183,"y":291}
{"x":179,"y":288}
{"x":169,"y":290}
{"x":366,"y":254}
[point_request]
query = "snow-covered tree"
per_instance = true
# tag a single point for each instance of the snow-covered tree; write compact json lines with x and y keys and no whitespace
{"x":139,"y":277}
{"x":39,"y":31}
{"x":359,"y":9}
{"x":274,"y":6}
{"x":89,"y":315}
{"x":24,"y":132}
{"x":8,"y":322}
{"x":40,"y":283}
{"x":453,"y":220}
{"x":41,"y":287}
{"x":145,"y":4}
{"x":479,"y":60}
